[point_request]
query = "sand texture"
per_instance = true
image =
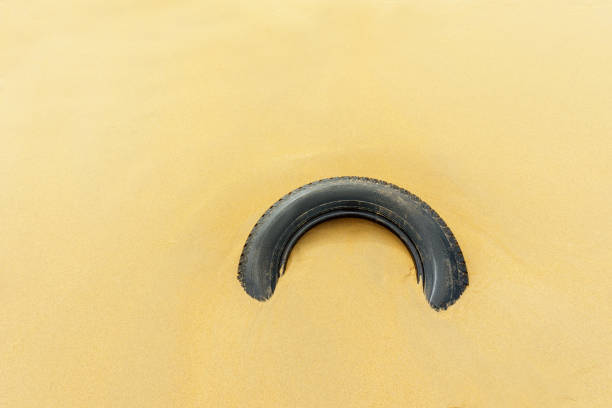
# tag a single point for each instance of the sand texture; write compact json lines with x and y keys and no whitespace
{"x":142,"y":140}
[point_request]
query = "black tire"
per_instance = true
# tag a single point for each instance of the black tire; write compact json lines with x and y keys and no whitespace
{"x":436,"y":253}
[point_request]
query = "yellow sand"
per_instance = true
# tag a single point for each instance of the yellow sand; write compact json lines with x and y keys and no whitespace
{"x":140,"y":143}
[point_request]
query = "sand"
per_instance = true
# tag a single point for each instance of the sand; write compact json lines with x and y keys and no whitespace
{"x":140,"y":143}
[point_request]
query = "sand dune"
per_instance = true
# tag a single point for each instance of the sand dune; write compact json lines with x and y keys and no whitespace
{"x":142,"y":141}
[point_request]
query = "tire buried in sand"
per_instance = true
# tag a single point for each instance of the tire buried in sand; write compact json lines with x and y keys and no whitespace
{"x":438,"y":259}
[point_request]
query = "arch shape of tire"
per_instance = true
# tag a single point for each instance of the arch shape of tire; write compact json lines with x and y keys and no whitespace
{"x":438,"y":259}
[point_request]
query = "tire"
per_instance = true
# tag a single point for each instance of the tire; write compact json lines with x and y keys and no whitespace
{"x":436,"y":253}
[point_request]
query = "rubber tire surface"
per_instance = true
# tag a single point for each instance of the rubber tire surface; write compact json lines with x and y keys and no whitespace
{"x":436,"y":253}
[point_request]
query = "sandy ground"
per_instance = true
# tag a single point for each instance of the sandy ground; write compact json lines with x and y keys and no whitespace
{"x":140,"y":142}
